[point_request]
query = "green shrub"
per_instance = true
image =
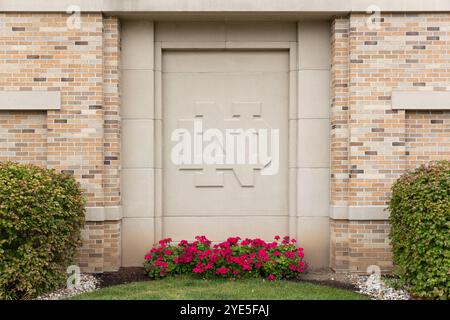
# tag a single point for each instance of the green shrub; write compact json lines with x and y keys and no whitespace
{"x":420,"y":229}
{"x":41,"y":216}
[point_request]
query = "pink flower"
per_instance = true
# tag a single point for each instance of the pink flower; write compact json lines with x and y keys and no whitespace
{"x":164,"y":241}
{"x":277,"y":238}
{"x":197,"y":270}
{"x":262,"y":253}
{"x":289,"y":254}
{"x":272,"y":245}
{"x":148,"y":256}
{"x":183,"y":243}
{"x":235,"y":272}
{"x":209,"y":266}
{"x":222,"y":270}
{"x":233,"y":240}
{"x":246,"y":267}
{"x":168,"y":252}
{"x":271,"y":277}
{"x":203,"y":239}
{"x":276,"y":253}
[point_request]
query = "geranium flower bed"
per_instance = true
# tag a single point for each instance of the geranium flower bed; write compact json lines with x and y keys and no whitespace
{"x":233,"y":258}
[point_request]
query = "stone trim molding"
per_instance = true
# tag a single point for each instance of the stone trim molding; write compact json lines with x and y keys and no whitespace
{"x":30,"y":100}
{"x":175,"y":6}
{"x":358,"y":213}
{"x":421,"y":100}
{"x":104,"y":213}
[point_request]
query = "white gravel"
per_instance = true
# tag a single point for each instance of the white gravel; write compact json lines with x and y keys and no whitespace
{"x":376,"y":288}
{"x":88,"y":283}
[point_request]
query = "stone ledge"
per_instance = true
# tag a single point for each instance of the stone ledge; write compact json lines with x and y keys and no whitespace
{"x":30,"y":100}
{"x":358,"y":213}
{"x":421,"y":100}
{"x":103,"y":213}
{"x":229,"y":6}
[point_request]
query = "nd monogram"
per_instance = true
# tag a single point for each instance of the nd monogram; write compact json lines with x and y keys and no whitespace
{"x":210,"y":143}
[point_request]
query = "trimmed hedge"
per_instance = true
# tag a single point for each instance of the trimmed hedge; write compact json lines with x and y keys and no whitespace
{"x":420,"y":229}
{"x":41,"y":216}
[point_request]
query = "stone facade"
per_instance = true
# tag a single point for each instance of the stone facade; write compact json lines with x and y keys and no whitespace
{"x":370,"y":142}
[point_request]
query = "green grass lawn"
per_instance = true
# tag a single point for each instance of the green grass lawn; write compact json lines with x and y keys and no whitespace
{"x":182,"y":287}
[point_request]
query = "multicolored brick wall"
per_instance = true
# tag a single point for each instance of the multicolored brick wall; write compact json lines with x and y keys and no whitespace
{"x":23,"y":137}
{"x":427,"y":137}
{"x":44,"y":52}
{"x":372,"y":144}
{"x":359,"y":244}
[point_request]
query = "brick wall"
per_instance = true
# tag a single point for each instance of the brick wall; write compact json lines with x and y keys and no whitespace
{"x":23,"y":137}
{"x":427,"y":137}
{"x":371,"y":143}
{"x":39,"y":52}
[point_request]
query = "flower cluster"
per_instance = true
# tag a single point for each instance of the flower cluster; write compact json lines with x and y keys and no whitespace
{"x":233,"y":258}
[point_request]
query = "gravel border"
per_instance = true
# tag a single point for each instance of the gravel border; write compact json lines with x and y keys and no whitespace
{"x":88,"y":283}
{"x":376,"y":288}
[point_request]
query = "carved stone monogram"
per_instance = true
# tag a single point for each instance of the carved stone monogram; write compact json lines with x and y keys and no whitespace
{"x":215,"y":141}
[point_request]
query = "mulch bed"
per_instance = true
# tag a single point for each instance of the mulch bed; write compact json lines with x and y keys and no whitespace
{"x":333,"y":284}
{"x":123,"y":276}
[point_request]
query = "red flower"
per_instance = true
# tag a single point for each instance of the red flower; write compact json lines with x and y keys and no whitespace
{"x":164,"y":241}
{"x":183,"y":243}
{"x":168,"y":252}
{"x":209,"y":266}
{"x":203,"y":239}
{"x":276,"y":253}
{"x":262,"y":253}
{"x":222,"y":270}
{"x":197,"y":270}
{"x":148,"y":256}
{"x":277,"y":238}
{"x":271,"y":277}
{"x":233,"y":240}
{"x":289,"y":254}
{"x":247,"y":267}
{"x":235,"y":272}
